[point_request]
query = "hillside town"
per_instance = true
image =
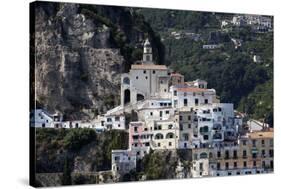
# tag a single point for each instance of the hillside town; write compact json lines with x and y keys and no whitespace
{"x":169,"y":113}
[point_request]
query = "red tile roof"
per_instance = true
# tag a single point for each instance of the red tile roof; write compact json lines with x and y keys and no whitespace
{"x":191,"y":89}
{"x":148,"y":67}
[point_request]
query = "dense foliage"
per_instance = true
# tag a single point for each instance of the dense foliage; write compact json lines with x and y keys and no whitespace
{"x":231,"y":71}
{"x":57,"y":147}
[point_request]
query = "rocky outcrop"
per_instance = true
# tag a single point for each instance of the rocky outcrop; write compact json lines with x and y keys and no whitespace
{"x":80,"y":52}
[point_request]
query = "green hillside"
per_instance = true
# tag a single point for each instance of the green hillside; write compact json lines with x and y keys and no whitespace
{"x":231,"y":71}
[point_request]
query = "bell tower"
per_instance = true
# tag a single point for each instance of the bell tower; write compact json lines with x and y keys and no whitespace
{"x":147,"y":52}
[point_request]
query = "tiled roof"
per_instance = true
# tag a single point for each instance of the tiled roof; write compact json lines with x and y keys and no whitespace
{"x":191,"y":89}
{"x":148,"y":67}
{"x":261,"y":134}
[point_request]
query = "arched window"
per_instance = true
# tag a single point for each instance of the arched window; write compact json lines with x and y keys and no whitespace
{"x":203,"y":155}
{"x":127,"y":98}
{"x":170,"y":135}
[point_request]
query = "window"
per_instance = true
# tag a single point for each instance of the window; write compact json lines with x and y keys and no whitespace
{"x":244,"y":154}
{"x":181,"y":127}
{"x":175,"y":93}
{"x":137,"y":77}
{"x":244,"y":142}
{"x":151,"y":113}
{"x":167,"y":112}
{"x":235,"y":154}
{"x":189,"y":118}
{"x":144,"y":71}
{"x":189,"y":125}
{"x":185,"y":137}
{"x":203,"y":155}
{"x":218,"y":166}
{"x":161,"y":113}
{"x":117,"y":118}
{"x":254,"y":143}
{"x":136,"y":129}
{"x":226,"y":154}
{"x":196,"y":102}
{"x":43,"y":125}
{"x":254,"y":163}
{"x":218,"y":154}
{"x":206,"y":101}
{"x":206,"y":137}
{"x":270,"y":153}
{"x":170,"y":143}
{"x":180,"y":118}
{"x":185,"y":102}
{"x":245,"y":164}
{"x":159,"y":144}
{"x":262,"y":142}
{"x":170,"y":126}
{"x":145,"y":77}
{"x":235,"y":164}
{"x":226,"y":165}
{"x":153,"y":71}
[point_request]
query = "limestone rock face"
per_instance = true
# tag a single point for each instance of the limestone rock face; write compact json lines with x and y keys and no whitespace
{"x":80,"y":53}
{"x":75,"y":65}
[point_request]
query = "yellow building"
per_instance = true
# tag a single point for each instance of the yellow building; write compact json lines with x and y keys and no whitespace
{"x":252,"y":154}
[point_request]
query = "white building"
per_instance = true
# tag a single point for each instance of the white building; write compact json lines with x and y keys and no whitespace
{"x":42,"y":119}
{"x":144,"y":80}
{"x":183,"y":96}
{"x":122,"y":162}
{"x":116,"y":122}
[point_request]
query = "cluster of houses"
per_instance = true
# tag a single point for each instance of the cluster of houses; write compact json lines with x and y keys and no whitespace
{"x":171,"y":114}
{"x":257,"y":22}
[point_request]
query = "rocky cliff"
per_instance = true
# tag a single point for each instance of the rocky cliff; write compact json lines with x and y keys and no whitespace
{"x":80,"y":52}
